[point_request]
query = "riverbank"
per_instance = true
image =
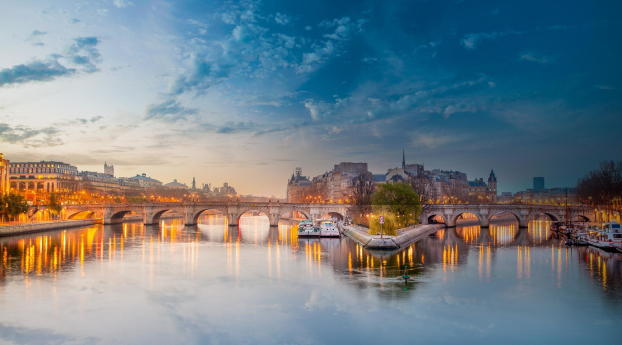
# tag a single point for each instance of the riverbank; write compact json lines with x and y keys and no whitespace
{"x":20,"y":229}
{"x":406,"y":236}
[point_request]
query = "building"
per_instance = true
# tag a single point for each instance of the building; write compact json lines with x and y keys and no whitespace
{"x":538,"y":183}
{"x":108,"y":169}
{"x":4,"y":175}
{"x":43,"y":177}
{"x":338,"y":184}
{"x":101,"y":183}
{"x":142,"y":181}
{"x":176,"y":185}
{"x":300,"y":188}
{"x":547,"y":196}
{"x":225,"y":190}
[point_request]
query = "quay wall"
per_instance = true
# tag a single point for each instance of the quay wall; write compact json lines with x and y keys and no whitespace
{"x":19,"y":229}
{"x":406,"y":236}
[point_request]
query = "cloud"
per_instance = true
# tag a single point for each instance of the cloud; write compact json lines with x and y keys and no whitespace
{"x":472,"y":40}
{"x":34,"y":71}
{"x":433,"y":141}
{"x":281,"y":18}
{"x":342,"y":30}
{"x":537,"y":58}
{"x":169,"y":110}
{"x":236,"y":127}
{"x":83,"y":52}
{"x":81,"y":56}
{"x":317,"y":110}
{"x":122,"y":3}
{"x":37,"y":33}
{"x":29,"y":137}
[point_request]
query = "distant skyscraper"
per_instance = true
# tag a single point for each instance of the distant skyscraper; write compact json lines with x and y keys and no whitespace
{"x":538,"y":183}
{"x":194,"y":184}
{"x":108,"y":169}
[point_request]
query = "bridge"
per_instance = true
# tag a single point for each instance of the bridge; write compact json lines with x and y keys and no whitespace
{"x":450,"y":214}
{"x":275,"y":211}
{"x":190,"y":212}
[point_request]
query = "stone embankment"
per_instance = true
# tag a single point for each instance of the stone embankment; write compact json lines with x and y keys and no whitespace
{"x":19,"y":229}
{"x":405,"y":236}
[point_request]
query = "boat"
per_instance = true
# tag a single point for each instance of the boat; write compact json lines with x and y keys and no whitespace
{"x":328,"y":228}
{"x":306,"y":228}
{"x":607,"y":237}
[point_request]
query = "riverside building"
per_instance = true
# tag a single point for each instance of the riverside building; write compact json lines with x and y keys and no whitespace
{"x":43,"y":177}
{"x":4,"y":175}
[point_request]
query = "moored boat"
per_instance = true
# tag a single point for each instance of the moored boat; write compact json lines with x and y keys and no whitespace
{"x":306,"y":228}
{"x":328,"y":228}
{"x":608,"y":237}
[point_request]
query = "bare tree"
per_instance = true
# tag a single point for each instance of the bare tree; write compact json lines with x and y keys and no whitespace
{"x":602,"y":187}
{"x":363,"y":188}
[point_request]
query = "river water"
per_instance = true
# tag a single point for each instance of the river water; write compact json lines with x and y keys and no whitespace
{"x":252,"y":284}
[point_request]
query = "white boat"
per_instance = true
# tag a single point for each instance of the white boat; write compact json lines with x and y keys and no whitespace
{"x":608,"y":237}
{"x":328,"y":228}
{"x":306,"y":228}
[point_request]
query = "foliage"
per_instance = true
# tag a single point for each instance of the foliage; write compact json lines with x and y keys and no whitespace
{"x":12,"y":205}
{"x":54,"y":204}
{"x":389,"y":227}
{"x":397,"y":200}
{"x":602,"y":187}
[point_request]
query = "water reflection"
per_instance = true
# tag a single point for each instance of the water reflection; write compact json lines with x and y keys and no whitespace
{"x":447,"y":249}
{"x":453,"y":272}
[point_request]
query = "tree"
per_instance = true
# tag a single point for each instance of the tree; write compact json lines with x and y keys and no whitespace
{"x":398,"y":200}
{"x":363,"y":187}
{"x":12,"y":205}
{"x":602,"y":187}
{"x":54,"y":204}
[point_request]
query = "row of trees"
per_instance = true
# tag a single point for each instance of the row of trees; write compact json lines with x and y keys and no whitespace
{"x":602,"y":188}
{"x":11,"y":206}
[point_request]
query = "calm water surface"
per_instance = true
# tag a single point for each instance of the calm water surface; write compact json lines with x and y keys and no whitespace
{"x":214,"y":284}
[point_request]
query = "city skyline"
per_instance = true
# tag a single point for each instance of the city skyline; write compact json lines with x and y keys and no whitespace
{"x":247,"y":92}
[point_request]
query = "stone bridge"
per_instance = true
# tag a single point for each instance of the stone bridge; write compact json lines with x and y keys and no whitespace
{"x":450,"y":214}
{"x":151,"y":212}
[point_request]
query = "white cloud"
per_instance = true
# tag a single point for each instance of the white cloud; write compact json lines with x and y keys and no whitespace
{"x":281,"y":18}
{"x":122,"y":3}
{"x":472,"y":40}
{"x":537,"y":58}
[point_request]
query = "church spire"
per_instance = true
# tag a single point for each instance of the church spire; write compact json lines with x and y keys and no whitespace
{"x":403,"y":159}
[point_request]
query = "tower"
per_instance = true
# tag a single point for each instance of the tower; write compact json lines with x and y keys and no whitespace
{"x":194,"y":183}
{"x":403,"y":159}
{"x":492,"y":182}
{"x":108,"y":169}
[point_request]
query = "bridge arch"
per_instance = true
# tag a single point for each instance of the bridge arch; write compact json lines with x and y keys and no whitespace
{"x":333,"y":215}
{"x":549,"y":216}
{"x":261,"y":212}
{"x":117,"y":217}
{"x":580,"y":218}
{"x":436,"y":218}
{"x":200,"y":212}
{"x":85,"y":214}
{"x":509,"y":214}
{"x":465,"y":213}
{"x":306,"y":214}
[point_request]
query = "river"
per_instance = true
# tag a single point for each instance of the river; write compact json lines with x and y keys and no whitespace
{"x":252,"y":284}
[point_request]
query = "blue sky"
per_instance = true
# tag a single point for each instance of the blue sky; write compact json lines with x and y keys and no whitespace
{"x":246,"y":91}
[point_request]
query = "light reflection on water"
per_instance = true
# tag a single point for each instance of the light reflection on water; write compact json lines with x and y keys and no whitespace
{"x":215,"y":283}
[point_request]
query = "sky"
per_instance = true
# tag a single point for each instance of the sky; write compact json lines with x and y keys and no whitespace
{"x":245,"y":91}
